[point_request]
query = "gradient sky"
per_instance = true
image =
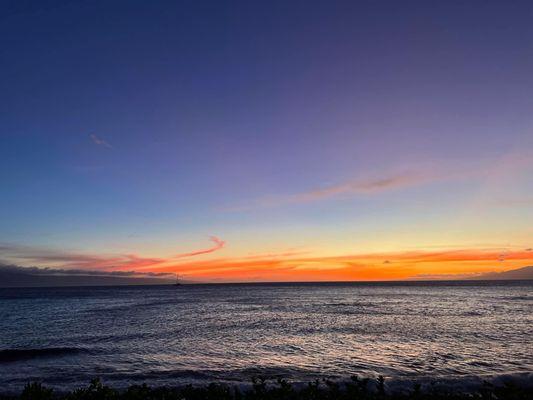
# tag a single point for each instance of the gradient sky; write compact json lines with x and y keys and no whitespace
{"x":302,"y":140}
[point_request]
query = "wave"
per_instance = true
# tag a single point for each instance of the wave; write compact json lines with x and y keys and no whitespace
{"x":525,"y":297}
{"x":458,"y":384}
{"x":179,"y":377}
{"x":12,"y":355}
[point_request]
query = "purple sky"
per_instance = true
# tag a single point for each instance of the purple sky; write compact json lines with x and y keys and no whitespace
{"x":135,"y":127}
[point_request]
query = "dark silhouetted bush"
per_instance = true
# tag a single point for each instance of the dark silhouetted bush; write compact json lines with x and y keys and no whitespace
{"x":263,"y":389}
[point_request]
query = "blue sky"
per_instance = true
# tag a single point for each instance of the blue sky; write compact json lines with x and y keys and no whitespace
{"x":142,"y":127}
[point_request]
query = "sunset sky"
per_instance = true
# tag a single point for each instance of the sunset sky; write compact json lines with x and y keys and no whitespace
{"x":267,"y":141}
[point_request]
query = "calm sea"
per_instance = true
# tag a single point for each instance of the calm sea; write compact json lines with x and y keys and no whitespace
{"x":166,"y":335}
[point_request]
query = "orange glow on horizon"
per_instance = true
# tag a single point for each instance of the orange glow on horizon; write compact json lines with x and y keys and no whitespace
{"x":447,"y":264}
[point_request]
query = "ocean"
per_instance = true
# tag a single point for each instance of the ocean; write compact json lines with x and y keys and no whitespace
{"x":166,"y":335}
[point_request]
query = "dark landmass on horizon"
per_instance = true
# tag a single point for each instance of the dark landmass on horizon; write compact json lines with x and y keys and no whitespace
{"x":12,"y":276}
{"x":523,"y":273}
{"x":16,"y":276}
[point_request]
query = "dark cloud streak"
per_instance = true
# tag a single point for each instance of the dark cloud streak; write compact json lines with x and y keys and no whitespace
{"x":58,"y":272}
{"x":16,"y":276}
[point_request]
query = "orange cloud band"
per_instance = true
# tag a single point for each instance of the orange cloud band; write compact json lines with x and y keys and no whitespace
{"x":375,"y":266}
{"x":291,"y":265}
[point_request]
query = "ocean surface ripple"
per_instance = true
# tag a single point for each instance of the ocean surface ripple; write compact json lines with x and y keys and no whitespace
{"x":166,"y":335}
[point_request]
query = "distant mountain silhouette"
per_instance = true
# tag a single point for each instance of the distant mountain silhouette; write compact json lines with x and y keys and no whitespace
{"x":520,"y":273}
{"x":15,"y":276}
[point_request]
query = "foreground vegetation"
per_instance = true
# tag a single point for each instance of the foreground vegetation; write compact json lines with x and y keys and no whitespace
{"x":354,"y":389}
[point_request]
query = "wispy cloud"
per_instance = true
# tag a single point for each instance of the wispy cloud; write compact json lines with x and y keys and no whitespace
{"x":99,"y":141}
{"x":359,"y":187}
{"x":219,"y":243}
{"x":401,"y":178}
{"x":441,"y":277}
{"x":65,"y":259}
{"x":343,"y":190}
{"x":60,"y":272}
{"x":52,"y":258}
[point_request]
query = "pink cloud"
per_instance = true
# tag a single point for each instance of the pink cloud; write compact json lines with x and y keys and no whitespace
{"x":405,"y":177}
{"x":219,"y":243}
{"x":63,"y":259}
{"x":346,"y":189}
{"x":359,"y":187}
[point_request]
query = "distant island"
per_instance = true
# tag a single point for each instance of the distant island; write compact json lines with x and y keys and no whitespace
{"x":523,"y":273}
{"x":16,"y":276}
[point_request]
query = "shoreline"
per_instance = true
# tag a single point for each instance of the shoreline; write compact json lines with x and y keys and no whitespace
{"x":511,"y":386}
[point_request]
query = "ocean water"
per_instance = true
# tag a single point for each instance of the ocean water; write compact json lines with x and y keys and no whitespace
{"x":165,"y":335}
